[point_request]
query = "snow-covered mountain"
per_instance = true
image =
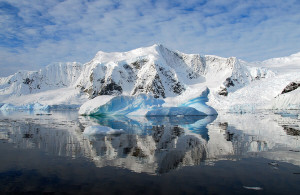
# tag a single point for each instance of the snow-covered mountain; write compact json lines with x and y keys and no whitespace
{"x":159,"y":72}
{"x":57,"y":75}
{"x":162,"y":72}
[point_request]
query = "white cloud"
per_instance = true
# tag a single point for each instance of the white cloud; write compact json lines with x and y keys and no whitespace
{"x":74,"y":30}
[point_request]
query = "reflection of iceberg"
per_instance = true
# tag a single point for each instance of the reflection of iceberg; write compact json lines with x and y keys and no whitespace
{"x":128,"y":125}
{"x":200,"y":127}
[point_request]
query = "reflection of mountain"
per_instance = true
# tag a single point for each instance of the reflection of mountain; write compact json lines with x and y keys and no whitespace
{"x":154,"y":146}
{"x":262,"y":134}
{"x":157,"y":145}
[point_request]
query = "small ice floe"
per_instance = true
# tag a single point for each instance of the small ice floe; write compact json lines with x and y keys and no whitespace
{"x":294,"y":150}
{"x":101,"y":130}
{"x":274,"y":164}
{"x":252,"y":188}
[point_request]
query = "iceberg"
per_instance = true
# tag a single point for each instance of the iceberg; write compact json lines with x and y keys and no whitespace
{"x":30,"y":107}
{"x":175,"y":111}
{"x":145,"y":105}
{"x":120,"y":105}
{"x":199,"y":103}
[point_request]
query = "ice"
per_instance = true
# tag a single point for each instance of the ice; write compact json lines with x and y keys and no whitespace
{"x":91,"y":107}
{"x":252,"y":188}
{"x":103,"y":130}
{"x":174,"y":111}
{"x":120,"y":105}
{"x":199,"y":104}
{"x":31,"y":107}
{"x":144,"y":105}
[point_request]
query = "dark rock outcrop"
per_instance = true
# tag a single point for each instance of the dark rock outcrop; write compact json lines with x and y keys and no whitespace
{"x":291,"y":87}
{"x":223,"y":92}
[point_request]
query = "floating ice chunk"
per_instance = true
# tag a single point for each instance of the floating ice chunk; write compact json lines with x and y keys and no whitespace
{"x":31,"y":107}
{"x":175,"y":111}
{"x":145,"y":105}
{"x":199,"y":103}
{"x":103,"y":130}
{"x":121,"y":105}
{"x":252,"y":188}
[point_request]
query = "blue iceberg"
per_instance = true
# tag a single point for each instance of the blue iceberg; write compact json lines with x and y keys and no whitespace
{"x":175,"y":111}
{"x":199,"y":104}
{"x":145,"y":105}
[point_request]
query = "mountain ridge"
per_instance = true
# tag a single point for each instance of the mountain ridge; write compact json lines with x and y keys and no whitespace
{"x":154,"y":70}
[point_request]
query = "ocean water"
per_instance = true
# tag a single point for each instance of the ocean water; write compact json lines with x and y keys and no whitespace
{"x":257,"y":153}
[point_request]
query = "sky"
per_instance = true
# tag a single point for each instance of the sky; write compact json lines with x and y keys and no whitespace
{"x":35,"y":33}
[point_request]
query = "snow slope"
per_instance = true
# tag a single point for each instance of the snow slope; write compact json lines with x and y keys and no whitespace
{"x":265,"y":92}
{"x":53,"y":85}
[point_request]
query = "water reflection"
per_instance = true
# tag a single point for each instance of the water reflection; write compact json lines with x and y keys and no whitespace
{"x":156,"y":145}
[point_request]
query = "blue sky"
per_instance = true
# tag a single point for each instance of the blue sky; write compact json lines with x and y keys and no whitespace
{"x":34,"y":33}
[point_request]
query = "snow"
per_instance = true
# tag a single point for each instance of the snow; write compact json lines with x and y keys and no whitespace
{"x":259,"y":94}
{"x":103,"y":130}
{"x":282,"y":65}
{"x":289,"y":101}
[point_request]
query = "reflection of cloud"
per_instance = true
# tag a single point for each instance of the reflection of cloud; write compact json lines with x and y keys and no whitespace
{"x":39,"y":33}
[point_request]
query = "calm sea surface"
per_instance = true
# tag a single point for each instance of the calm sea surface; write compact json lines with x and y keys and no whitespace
{"x":256,"y":153}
